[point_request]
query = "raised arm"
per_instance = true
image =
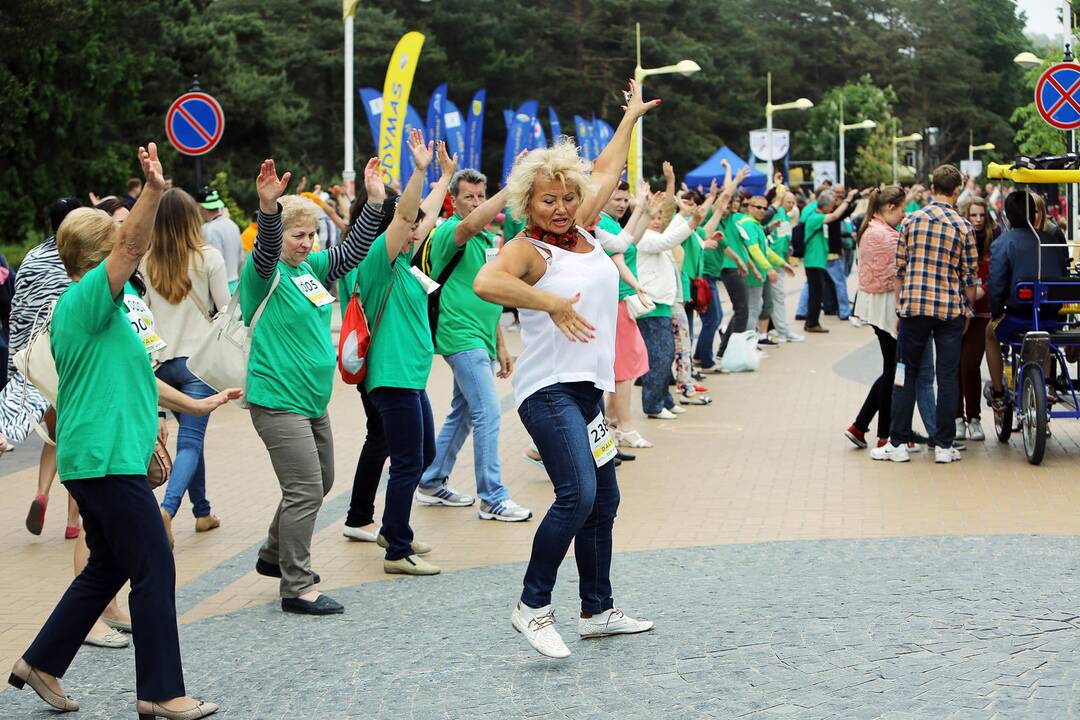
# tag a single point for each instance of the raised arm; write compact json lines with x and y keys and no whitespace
{"x":479,"y":218}
{"x":133,"y":238}
{"x":608,"y":167}
{"x":399,"y":234}
{"x":841,"y":210}
{"x":347,"y":255}
{"x":432,"y":205}
{"x":267,"y":250}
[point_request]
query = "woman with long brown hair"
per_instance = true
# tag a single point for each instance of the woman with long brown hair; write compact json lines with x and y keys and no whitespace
{"x":968,"y":424}
{"x":187,"y":280}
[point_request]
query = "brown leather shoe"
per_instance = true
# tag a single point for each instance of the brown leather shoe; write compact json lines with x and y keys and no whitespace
{"x":167,"y":519}
{"x":151,"y":711}
{"x":22,"y":674}
{"x":207,"y":523}
{"x":815,"y":329}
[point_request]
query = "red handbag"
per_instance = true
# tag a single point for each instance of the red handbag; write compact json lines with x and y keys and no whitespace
{"x":701,"y":294}
{"x":356,"y":338}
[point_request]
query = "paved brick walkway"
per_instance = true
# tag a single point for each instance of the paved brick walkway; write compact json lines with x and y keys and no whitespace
{"x":766,"y":462}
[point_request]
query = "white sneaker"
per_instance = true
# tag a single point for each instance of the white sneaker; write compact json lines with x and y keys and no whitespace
{"x":794,"y":337}
{"x":975,"y":430}
{"x":358,"y":534}
{"x":677,"y":410}
{"x":890,"y":452}
{"x":506,"y":511}
{"x":611,"y":622}
{"x":961,"y":429}
{"x":856,"y":322}
{"x":538,"y":627}
{"x":664,"y":414}
{"x":946,"y":455}
{"x":443,"y":495}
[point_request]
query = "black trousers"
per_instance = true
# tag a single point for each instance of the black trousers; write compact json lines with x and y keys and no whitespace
{"x":815,"y":283}
{"x":369,"y":468}
{"x":879,"y":399}
{"x":737,"y":291}
{"x":127,"y":540}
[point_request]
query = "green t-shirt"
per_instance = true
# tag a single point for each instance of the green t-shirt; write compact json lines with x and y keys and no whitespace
{"x":733,"y":239}
{"x":401,"y":348}
{"x":752,"y":233}
{"x":693,"y":260}
{"x":106,"y":406}
{"x":611,"y":225}
{"x":913,"y":206}
{"x":291,"y":366}
{"x":780,"y":237}
{"x":465,"y":321}
{"x":817,"y":245}
{"x":807,"y":209}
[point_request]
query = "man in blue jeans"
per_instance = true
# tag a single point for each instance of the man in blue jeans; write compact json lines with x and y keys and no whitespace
{"x":468,"y":336}
{"x":936,"y":266}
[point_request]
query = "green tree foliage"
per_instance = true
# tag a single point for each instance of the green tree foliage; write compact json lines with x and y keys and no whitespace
{"x":1034,"y":135}
{"x":862,"y":100}
{"x":84,"y":81}
{"x":873,"y":159}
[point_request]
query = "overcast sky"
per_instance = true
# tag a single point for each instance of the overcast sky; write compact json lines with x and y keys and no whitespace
{"x":1042,"y":15}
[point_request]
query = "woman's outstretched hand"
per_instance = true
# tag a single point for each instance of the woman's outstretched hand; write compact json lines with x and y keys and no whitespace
{"x":270,"y":186}
{"x":635,"y":105}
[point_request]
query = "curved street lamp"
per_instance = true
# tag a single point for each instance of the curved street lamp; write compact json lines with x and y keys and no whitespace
{"x":770,"y":108}
{"x":861,"y":125}
{"x":913,"y":137}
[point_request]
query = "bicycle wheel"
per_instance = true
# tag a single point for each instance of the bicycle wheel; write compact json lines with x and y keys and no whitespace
{"x":1033,"y":414}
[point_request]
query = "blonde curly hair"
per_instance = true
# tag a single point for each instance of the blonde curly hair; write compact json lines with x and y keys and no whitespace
{"x":560,"y":162}
{"x":298,"y":210}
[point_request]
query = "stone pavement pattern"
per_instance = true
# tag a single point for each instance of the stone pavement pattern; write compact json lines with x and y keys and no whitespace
{"x":765,"y":462}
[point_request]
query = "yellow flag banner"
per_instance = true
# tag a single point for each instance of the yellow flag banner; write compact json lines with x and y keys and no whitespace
{"x":633,"y":158}
{"x":348,"y":8}
{"x":399,"y":77}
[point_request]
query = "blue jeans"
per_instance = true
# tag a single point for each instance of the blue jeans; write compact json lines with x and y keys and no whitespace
{"x":586,"y":497}
{"x":710,"y":326}
{"x":924,"y":391}
{"x":915,"y":334}
{"x":189,"y":466}
{"x":475,"y":406}
{"x":410,"y":436}
{"x":835,"y":270}
{"x":660,"y":344}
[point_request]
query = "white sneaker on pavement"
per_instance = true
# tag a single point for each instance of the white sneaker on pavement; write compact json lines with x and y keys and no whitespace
{"x":677,"y":410}
{"x":664,"y":414}
{"x":612,"y":622}
{"x":505,"y":511}
{"x":794,"y":337}
{"x":358,"y":534}
{"x":975,"y":430}
{"x":443,"y":495}
{"x":890,"y":452}
{"x":961,"y":429}
{"x":538,"y":627}
{"x":946,"y":455}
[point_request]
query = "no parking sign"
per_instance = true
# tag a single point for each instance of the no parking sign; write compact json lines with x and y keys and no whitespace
{"x":1057,"y":96}
{"x":194,"y":123}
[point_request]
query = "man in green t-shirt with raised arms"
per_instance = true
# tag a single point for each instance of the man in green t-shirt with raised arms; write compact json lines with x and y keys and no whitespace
{"x":468,"y":337}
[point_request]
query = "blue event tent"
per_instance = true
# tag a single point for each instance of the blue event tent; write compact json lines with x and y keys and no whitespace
{"x":711,"y":168}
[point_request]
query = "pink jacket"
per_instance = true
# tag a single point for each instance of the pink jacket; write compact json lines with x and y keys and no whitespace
{"x":877,"y":258}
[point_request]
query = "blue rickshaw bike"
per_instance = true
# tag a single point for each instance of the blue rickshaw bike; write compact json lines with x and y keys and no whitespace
{"x":1037,"y":381}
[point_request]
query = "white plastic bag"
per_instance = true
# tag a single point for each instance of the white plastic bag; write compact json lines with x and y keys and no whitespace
{"x":741,"y":354}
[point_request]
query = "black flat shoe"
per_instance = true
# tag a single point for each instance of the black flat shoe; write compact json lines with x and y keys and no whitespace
{"x":617,"y":462}
{"x":624,"y":456}
{"x":323,"y":605}
{"x":270,"y":570}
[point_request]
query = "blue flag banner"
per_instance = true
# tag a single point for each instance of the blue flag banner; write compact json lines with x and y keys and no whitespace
{"x":594,"y":138}
{"x":583,"y":137}
{"x":371,"y":99}
{"x":539,"y":140}
{"x":602,"y":132}
{"x":412,"y":120}
{"x":474,"y":132}
{"x":455,"y":132}
{"x":436,"y":126}
{"x":508,"y":117}
{"x":520,"y":134}
{"x":556,"y":126}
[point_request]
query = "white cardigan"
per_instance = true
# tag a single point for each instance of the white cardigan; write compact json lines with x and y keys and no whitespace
{"x":184,"y":326}
{"x":657,"y":272}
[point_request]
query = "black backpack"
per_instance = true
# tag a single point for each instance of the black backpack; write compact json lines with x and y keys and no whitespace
{"x":798,"y":240}
{"x":422,"y":260}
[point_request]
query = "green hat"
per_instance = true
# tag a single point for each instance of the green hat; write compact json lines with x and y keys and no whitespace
{"x":210,"y":200}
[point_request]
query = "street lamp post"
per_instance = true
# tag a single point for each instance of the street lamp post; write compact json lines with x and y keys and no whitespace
{"x":348,"y":174}
{"x":972,"y":149}
{"x":800,"y":104}
{"x":683,"y":67}
{"x":861,"y":125}
{"x":913,"y":137}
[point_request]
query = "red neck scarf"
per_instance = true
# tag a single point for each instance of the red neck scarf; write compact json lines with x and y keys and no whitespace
{"x":565,"y":241}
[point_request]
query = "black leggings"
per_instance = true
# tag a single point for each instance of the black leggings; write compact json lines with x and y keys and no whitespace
{"x":735,"y":284}
{"x":879,"y":399}
{"x":369,"y":468}
{"x":815,"y":285}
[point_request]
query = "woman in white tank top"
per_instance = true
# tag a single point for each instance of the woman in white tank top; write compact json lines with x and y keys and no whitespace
{"x":566,"y":289}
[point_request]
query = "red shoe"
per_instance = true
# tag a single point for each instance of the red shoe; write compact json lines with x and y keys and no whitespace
{"x":35,"y":519}
{"x":856,"y":436}
{"x":701,"y":389}
{"x":882,"y":442}
{"x":70,"y":533}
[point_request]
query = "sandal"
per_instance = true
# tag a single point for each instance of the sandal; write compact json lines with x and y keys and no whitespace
{"x":631,"y":439}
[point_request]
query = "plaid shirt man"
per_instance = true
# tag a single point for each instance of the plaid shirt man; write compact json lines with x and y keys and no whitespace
{"x":936,"y":260}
